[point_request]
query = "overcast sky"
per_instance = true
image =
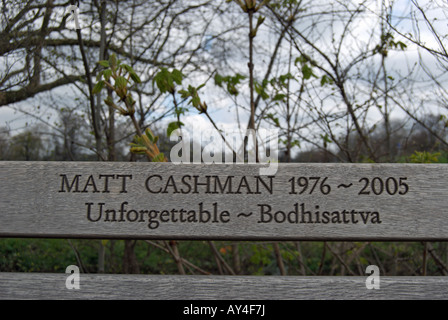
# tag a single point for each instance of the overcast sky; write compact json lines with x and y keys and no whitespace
{"x":221,"y":108}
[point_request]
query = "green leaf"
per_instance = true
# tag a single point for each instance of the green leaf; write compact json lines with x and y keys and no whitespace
{"x":218,"y":80}
{"x":128,"y":68}
{"x":402,"y":45}
{"x":107,"y":74}
{"x":177,"y":76}
{"x":279,"y":97}
{"x":162,"y":80}
{"x":302,"y":60}
{"x":260,"y":90}
{"x":135,"y":78}
{"x":284,"y":78}
{"x":307,"y":72}
{"x":138,"y":150}
{"x":180,"y":111}
{"x":113,"y":61}
{"x":195,"y":101}
{"x":109,"y":101}
{"x":295,"y":143}
{"x":232,"y":89}
{"x":104,"y":63}
{"x":326,"y":138}
{"x":273,"y":118}
{"x":165,"y":80}
{"x":231,"y":82}
{"x":130,"y":101}
{"x":260,"y":21}
{"x":324,"y":80}
{"x":237,"y":78}
{"x":425,"y":157}
{"x":138,"y":142}
{"x":98,"y":87}
{"x":121,"y":82}
{"x":149,"y":135}
{"x":184,"y":94}
{"x":159,"y":158}
{"x":132,"y":73}
{"x":99,"y":75}
{"x":173,"y":126}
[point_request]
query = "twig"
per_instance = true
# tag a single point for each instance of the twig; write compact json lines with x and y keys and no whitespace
{"x":221,"y":259}
{"x":322,"y":259}
{"x":93,"y":107}
{"x":340,"y":259}
{"x":425,"y":260}
{"x":300,"y":257}
{"x":173,"y":249}
{"x":443,"y":267}
{"x":78,"y":257}
{"x":186,"y":262}
{"x":278,"y":255}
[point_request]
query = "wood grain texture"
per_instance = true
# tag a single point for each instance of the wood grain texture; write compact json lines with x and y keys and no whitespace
{"x":402,"y":201}
{"x":154,"y":287}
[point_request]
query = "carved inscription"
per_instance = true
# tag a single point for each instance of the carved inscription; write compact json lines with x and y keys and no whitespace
{"x":302,"y":193}
{"x":139,"y":200}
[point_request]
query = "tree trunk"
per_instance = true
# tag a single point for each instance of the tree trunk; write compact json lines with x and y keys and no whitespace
{"x":130,"y":264}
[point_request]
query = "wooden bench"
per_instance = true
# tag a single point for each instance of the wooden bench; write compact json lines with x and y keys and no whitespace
{"x":306,"y":202}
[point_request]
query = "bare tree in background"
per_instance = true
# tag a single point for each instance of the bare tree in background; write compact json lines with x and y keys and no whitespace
{"x":331,"y":76}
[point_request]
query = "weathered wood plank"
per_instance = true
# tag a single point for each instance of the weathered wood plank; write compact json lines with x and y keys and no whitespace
{"x":168,"y":201}
{"x":154,"y":287}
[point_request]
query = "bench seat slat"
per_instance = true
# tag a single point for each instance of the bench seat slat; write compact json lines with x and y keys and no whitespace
{"x":175,"y":287}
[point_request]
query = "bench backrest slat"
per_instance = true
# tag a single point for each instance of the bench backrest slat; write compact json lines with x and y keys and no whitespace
{"x":222,"y":201}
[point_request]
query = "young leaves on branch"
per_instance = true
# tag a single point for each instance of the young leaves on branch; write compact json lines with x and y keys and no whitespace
{"x":147,"y":144}
{"x":230,"y":81}
{"x":195,"y":100}
{"x":166,"y":80}
{"x":425,"y":157}
{"x":118,"y":76}
{"x":261,"y":89}
{"x":306,"y":65}
{"x":250,"y":5}
{"x":121,"y":74}
{"x":388,"y":42}
{"x":173,"y":126}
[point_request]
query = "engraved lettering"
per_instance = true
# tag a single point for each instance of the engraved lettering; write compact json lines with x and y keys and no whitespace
{"x":205,"y":213}
{"x":90,"y":183}
{"x":147,"y":184}
{"x":123,"y":185}
{"x":89,"y":217}
{"x":106,"y":182}
{"x":64,"y":182}
{"x":184,"y":178}
{"x":221,"y":188}
{"x":260,"y":180}
{"x":170,"y":183}
{"x":305,"y":213}
{"x":114,"y":215}
{"x":302,"y":215}
{"x":243,"y":182}
{"x":152,"y":215}
{"x":196,"y":184}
